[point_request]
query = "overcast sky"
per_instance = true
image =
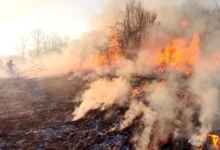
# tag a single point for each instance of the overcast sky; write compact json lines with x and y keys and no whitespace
{"x":66,"y":17}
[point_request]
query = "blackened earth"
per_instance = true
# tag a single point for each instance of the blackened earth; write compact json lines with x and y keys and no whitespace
{"x":36,"y":114}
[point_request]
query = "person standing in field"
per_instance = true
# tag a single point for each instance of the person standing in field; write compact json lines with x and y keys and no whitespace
{"x":10,"y":67}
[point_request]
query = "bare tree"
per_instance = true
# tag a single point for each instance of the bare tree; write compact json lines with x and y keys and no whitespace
{"x":38,"y":43}
{"x":212,"y":25}
{"x":54,"y":43}
{"x":22,"y":45}
{"x":134,"y":26}
{"x":38,"y":37}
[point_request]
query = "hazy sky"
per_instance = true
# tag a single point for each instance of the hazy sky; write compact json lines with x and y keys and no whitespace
{"x":66,"y":17}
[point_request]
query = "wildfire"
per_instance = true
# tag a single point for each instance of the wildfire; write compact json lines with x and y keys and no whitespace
{"x":215,"y":140}
{"x":101,"y":58}
{"x":179,"y":57}
{"x":113,"y":52}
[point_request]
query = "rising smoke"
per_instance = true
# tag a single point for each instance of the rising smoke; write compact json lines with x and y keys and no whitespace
{"x":166,"y":113}
{"x":102,"y":95}
{"x":162,"y":111}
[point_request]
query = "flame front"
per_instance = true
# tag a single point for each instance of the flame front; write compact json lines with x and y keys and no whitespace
{"x":179,"y":57}
{"x":113,"y":52}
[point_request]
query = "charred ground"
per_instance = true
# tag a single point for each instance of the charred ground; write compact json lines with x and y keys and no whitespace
{"x":36,"y":114}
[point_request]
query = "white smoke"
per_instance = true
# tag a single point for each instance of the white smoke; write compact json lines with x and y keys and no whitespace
{"x":171,"y":104}
{"x":102,"y":94}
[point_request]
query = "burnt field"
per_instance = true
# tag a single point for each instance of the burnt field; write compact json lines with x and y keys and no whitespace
{"x":37,"y":113}
{"x":140,"y":76}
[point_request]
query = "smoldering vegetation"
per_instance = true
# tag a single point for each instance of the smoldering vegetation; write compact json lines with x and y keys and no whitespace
{"x":173,"y":107}
{"x":150,"y":75}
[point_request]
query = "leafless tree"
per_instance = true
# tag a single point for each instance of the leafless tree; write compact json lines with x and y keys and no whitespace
{"x":212,"y":25}
{"x":54,"y":43}
{"x":38,"y":37}
{"x":39,"y":43}
{"x":134,"y":25}
{"x":210,"y":19}
{"x":22,"y":45}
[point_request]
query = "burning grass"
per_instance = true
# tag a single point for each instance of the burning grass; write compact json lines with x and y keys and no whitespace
{"x":168,"y":106}
{"x":160,"y":96}
{"x":117,"y":126}
{"x":162,"y":108}
{"x":179,"y":57}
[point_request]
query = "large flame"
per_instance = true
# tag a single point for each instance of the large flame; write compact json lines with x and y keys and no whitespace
{"x":113,"y":52}
{"x":179,"y":56}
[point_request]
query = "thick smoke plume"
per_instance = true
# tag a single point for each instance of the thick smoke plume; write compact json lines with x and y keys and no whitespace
{"x":163,"y":112}
{"x":170,"y":106}
{"x":102,"y":94}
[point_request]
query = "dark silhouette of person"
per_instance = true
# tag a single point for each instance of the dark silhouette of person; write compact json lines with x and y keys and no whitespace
{"x":10,"y":65}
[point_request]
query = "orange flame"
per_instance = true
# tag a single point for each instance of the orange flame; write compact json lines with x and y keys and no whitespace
{"x":179,"y":57}
{"x":112,"y":54}
{"x":101,"y":58}
{"x":201,"y":141}
{"x":215,"y":140}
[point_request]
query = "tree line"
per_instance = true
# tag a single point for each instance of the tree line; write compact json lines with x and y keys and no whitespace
{"x":38,"y":43}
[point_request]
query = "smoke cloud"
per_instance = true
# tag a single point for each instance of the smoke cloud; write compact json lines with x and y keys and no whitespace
{"x":102,"y":95}
{"x":169,"y":106}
